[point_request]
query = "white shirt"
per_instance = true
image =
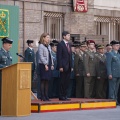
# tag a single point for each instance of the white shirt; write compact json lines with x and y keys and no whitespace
{"x":65,"y":42}
{"x":31,"y":48}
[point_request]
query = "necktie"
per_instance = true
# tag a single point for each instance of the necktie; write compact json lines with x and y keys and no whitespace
{"x":68,"y":48}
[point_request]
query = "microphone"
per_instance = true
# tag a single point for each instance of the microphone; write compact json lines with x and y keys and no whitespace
{"x":20,"y":55}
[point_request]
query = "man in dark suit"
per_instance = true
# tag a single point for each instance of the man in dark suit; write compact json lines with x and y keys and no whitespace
{"x":30,"y":57}
{"x":64,"y":64}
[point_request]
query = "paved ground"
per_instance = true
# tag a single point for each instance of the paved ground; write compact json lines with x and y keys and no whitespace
{"x":103,"y":114}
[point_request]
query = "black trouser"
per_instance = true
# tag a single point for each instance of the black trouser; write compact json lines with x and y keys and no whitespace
{"x":64,"y":83}
{"x":44,"y":88}
{"x":101,"y":87}
{"x":79,"y":86}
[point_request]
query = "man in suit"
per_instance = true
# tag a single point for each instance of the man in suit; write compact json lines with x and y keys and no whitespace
{"x":79,"y":70}
{"x":30,"y":57}
{"x":113,"y":70}
{"x":101,"y":72}
{"x":89,"y":70}
{"x":5,"y":57}
{"x":64,"y":64}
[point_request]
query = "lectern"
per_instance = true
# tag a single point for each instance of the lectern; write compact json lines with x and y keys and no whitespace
{"x":16,"y":90}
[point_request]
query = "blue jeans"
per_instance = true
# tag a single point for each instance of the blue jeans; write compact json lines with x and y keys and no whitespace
{"x":113,"y":87}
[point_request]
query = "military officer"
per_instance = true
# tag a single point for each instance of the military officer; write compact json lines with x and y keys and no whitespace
{"x":113,"y":70}
{"x":54,"y":82}
{"x":108,"y":48}
{"x":5,"y":57}
{"x":89,"y":70}
{"x":101,"y":71}
{"x":30,"y":57}
{"x":79,"y":70}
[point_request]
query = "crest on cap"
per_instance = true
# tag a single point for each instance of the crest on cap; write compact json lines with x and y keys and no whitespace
{"x":83,"y":44}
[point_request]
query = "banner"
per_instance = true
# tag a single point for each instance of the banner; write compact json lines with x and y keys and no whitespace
{"x":4,"y":23}
{"x":80,"y":5}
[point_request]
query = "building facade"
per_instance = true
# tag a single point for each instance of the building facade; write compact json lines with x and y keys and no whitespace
{"x":101,"y":22}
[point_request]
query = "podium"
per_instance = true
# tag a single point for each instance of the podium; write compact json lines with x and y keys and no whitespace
{"x":16,"y":90}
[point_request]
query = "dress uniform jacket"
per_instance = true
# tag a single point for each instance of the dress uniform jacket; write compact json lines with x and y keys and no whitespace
{"x":101,"y":70}
{"x":113,"y":64}
{"x":30,"y":57}
{"x":5,"y":58}
{"x":89,"y":67}
{"x":78,"y":64}
{"x":55,"y":72}
{"x":79,"y":69}
{"x":113,"y":68}
{"x":89,"y":63}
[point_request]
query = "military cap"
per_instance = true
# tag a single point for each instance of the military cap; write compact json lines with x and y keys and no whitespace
{"x":83,"y":44}
{"x":100,"y":46}
{"x":114,"y":42}
{"x":108,"y":45}
{"x":73,"y":45}
{"x":90,"y":41}
{"x":7,"y":40}
{"x":96,"y":45}
{"x":76,"y":43}
{"x":54,"y":43}
{"x":29,"y":41}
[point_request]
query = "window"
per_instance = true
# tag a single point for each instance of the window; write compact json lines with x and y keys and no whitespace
{"x":53,"y":24}
{"x":108,"y":26}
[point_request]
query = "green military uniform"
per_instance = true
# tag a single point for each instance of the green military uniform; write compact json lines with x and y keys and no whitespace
{"x":101,"y":70}
{"x":5,"y":60}
{"x":79,"y":70}
{"x":89,"y":67}
{"x":30,"y":57}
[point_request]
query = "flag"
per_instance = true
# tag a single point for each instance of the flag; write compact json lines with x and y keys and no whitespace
{"x":4,"y":23}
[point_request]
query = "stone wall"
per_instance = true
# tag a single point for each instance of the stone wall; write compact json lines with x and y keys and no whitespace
{"x":31,"y":22}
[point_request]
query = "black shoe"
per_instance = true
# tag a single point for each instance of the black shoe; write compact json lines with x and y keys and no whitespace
{"x":117,"y":103}
{"x":67,"y":99}
{"x":47,"y":98}
{"x":62,"y":98}
{"x":43,"y":99}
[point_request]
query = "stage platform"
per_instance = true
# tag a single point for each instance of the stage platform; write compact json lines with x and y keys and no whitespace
{"x":38,"y":106}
